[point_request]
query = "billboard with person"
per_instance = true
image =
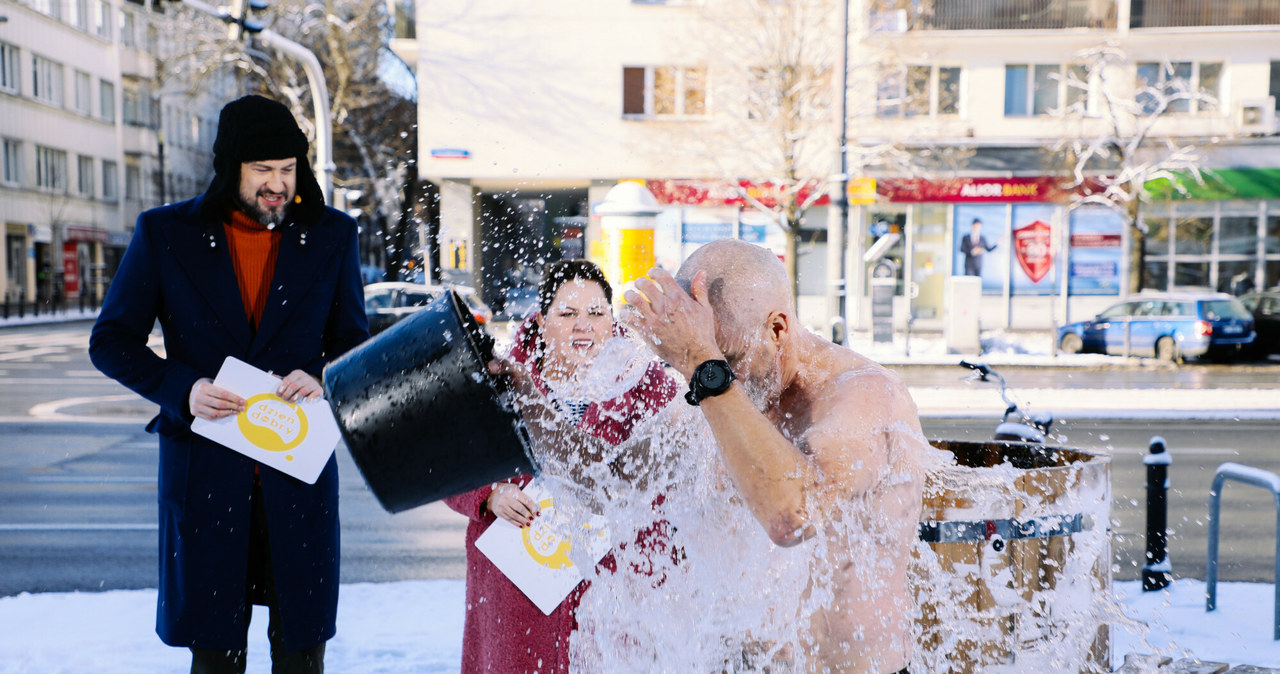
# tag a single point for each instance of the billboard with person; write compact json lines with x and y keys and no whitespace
{"x":981,"y":244}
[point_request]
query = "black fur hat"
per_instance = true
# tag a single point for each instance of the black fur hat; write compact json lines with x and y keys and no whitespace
{"x":254,"y":128}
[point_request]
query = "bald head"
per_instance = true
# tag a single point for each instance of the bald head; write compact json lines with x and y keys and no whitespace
{"x":745,"y":283}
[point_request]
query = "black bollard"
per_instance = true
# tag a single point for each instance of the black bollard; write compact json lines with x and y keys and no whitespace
{"x":1157,"y":573}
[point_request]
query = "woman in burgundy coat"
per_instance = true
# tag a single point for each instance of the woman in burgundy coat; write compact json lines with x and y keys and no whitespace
{"x":504,"y":631}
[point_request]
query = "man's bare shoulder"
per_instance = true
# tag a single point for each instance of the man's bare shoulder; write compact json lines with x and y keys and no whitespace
{"x":854,"y":379}
{"x":853,"y":393}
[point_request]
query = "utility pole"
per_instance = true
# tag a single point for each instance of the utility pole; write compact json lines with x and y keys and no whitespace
{"x":838,"y":220}
{"x":239,"y":23}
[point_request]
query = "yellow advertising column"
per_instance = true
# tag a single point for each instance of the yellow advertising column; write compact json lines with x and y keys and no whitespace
{"x":627,"y":217}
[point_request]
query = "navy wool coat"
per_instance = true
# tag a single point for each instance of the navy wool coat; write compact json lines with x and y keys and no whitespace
{"x":314,"y":313}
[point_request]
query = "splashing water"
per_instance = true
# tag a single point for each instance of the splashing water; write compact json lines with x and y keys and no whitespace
{"x":702,"y":587}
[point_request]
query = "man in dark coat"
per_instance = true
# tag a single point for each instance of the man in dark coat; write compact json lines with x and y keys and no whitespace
{"x":260,"y":269}
{"x":973,"y":245}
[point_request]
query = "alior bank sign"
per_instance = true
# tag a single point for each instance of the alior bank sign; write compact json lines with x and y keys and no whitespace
{"x":971,"y":190}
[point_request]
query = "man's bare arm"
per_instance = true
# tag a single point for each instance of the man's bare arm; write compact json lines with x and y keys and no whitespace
{"x":774,"y":477}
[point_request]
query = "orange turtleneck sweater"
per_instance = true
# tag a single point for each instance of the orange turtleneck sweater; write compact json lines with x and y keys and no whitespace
{"x":253,"y":254}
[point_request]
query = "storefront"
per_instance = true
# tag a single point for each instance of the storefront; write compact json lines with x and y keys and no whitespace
{"x":1040,"y":261}
{"x":17,"y":265}
{"x":1221,"y":231}
{"x":82,"y":263}
{"x":695,"y":212}
{"x":1044,"y":261}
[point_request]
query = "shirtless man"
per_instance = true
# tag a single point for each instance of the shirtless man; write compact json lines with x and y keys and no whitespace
{"x":819,"y":442}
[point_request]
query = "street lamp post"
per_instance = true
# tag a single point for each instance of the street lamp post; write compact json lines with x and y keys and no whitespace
{"x":315,"y":81}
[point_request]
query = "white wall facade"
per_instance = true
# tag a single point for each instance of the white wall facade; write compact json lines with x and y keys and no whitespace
{"x":104,"y":114}
{"x":531,"y":96}
{"x":53,"y":215}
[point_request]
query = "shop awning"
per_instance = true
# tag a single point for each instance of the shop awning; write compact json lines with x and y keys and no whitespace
{"x":1218,"y":185}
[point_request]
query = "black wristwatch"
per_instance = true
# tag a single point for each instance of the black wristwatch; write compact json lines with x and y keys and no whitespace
{"x":711,"y":378}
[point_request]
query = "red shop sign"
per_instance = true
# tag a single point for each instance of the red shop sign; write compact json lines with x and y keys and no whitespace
{"x":1033,"y":245}
{"x":70,"y":269}
{"x":971,"y":190}
{"x":729,"y":193}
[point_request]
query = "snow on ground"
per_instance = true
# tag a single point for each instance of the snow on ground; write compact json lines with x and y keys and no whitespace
{"x":416,"y":627}
{"x":384,"y":628}
{"x":74,"y":314}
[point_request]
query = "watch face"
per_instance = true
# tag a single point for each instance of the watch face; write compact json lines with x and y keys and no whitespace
{"x":714,"y":376}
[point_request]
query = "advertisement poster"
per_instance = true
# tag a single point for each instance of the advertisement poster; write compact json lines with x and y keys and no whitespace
{"x":1034,"y":267}
{"x":1096,"y":251}
{"x":536,"y":558}
{"x":295,"y":439}
{"x":981,"y":245}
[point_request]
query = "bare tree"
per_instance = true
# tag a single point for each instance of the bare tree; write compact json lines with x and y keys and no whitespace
{"x":772,"y":72}
{"x":1113,"y":155}
{"x":373,"y":121}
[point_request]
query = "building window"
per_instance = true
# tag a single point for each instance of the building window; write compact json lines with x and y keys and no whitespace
{"x":1210,"y":249}
{"x":1179,"y":87}
{"x":84,"y":92}
{"x":107,"y":101}
{"x":51,"y":8}
{"x":12,"y":162}
{"x":46,"y":80}
{"x":51,"y":169}
{"x":918,"y":91}
{"x":128,"y":29}
{"x":102,"y":20}
{"x":664,"y":91}
{"x":1274,"y":89}
{"x":1045,"y":89}
{"x":132,"y":179}
{"x":405,"y":20}
{"x":84,"y":176}
{"x":80,"y":14}
{"x":110,"y":181}
{"x":10,"y":79}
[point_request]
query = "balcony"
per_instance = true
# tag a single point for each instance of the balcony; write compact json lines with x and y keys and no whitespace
{"x":922,"y":15}
{"x":1196,"y":13}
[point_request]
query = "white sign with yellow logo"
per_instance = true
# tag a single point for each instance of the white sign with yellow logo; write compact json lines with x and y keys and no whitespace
{"x":536,"y":558}
{"x":295,"y":439}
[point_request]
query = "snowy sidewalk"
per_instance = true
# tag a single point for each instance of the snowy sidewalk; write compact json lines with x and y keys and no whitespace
{"x":983,"y":400}
{"x":41,"y":319}
{"x":416,"y":626}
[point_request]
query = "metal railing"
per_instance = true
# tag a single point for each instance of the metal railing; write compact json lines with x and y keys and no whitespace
{"x":1195,"y":13}
{"x":16,"y":307}
{"x":911,"y":15}
{"x":1258,"y":478}
{"x":900,"y":15}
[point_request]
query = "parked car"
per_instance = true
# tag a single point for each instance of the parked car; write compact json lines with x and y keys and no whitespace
{"x":520,"y":301}
{"x":371,"y":274}
{"x":386,"y":303}
{"x":1169,"y":326}
{"x":1265,"y":307}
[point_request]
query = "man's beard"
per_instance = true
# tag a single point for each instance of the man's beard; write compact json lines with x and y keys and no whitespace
{"x":268,"y":218}
{"x":765,"y":390}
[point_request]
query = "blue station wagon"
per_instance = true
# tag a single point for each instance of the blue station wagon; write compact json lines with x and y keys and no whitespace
{"x":1168,"y":326}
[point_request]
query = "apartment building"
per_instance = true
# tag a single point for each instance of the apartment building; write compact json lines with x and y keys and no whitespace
{"x":89,"y":139}
{"x":958,"y":110}
{"x":995,"y":93}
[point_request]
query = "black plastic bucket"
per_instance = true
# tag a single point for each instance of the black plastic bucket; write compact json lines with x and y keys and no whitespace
{"x":420,"y":413}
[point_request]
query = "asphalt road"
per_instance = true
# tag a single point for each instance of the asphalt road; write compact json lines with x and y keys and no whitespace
{"x":77,"y":480}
